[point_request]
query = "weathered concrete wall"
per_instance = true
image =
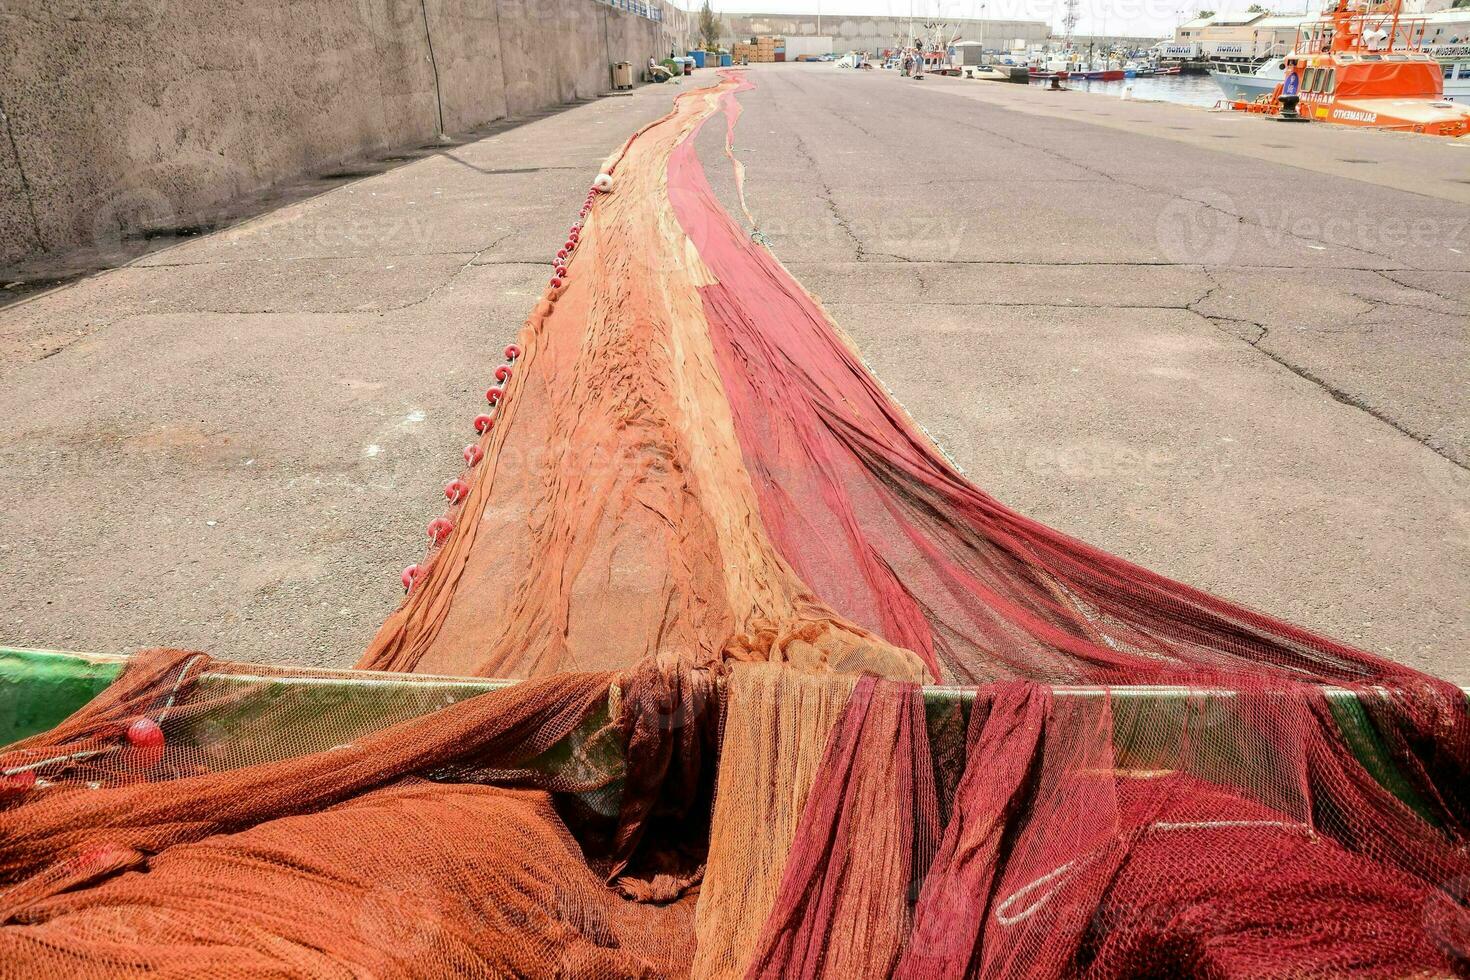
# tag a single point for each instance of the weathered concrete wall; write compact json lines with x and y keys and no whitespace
{"x":122,"y":116}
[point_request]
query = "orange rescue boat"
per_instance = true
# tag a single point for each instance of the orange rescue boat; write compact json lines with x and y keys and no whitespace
{"x":1361,"y":66}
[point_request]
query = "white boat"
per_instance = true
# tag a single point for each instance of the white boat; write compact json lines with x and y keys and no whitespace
{"x":1241,"y":83}
{"x":997,"y":73}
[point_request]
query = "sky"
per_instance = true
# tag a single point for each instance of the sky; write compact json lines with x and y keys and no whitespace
{"x":1156,"y":18}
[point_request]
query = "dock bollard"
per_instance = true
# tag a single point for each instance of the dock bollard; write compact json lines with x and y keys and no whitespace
{"x":1288,"y":109}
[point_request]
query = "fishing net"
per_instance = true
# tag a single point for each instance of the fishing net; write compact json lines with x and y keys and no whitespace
{"x":721,"y":563}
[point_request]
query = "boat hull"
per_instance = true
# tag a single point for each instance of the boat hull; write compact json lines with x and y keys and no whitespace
{"x":43,"y":687}
{"x":1244,"y":88}
{"x":998,"y":73}
{"x":1432,"y":117}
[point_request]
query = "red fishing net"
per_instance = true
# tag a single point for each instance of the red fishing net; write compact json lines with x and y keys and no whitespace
{"x":722,"y":561}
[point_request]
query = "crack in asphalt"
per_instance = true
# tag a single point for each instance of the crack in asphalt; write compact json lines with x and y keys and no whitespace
{"x":837,"y":214}
{"x":256,"y":260}
{"x":105,"y":324}
{"x":1173,"y":194}
{"x":1418,"y":289}
{"x":1338,"y":394}
{"x":1375,"y":304}
{"x":1219,"y":321}
{"x":1354,"y":401}
{"x":1105,"y":176}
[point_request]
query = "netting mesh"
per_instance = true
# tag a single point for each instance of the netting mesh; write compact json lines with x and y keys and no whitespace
{"x":722,"y":561}
{"x":775,"y":734}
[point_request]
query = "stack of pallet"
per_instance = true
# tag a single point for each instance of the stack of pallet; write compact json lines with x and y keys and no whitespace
{"x":764,"y":48}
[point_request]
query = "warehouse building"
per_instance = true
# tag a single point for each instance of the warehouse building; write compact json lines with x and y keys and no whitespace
{"x":849,"y":33}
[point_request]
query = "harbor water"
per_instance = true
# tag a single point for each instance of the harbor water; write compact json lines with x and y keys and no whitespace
{"x":1196,"y":90}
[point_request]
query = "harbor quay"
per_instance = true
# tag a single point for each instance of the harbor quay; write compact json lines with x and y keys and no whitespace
{"x":1202,"y":340}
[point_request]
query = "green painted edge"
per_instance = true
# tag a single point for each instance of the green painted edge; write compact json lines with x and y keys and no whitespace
{"x":41,"y":688}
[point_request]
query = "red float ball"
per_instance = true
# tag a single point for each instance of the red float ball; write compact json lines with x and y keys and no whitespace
{"x":561,"y":253}
{"x":439,"y":529}
{"x":456,"y":490}
{"x":502,"y":374}
{"x":512,"y":352}
{"x":571,"y":244}
{"x":483,"y":423}
{"x":473,"y":454}
{"x":494,"y":393}
{"x":145,"y":733}
{"x":18,"y":782}
{"x":409,"y":576}
{"x":555,"y":282}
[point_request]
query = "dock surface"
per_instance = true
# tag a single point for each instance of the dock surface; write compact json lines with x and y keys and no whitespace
{"x":1229,"y":349}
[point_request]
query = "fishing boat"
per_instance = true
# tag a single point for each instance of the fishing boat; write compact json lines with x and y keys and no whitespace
{"x":1246,"y":84}
{"x":1135,"y":70}
{"x":694,"y":763}
{"x":1072,"y":69}
{"x":997,"y":73}
{"x":39,"y":689}
{"x":1242,"y":83}
{"x":1362,"y":65}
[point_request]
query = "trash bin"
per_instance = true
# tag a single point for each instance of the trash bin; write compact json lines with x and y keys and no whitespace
{"x":622,"y":75}
{"x":698,"y":57}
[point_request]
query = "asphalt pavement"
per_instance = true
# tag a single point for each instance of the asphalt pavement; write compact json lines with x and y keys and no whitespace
{"x":1206,"y":342}
{"x":1190,"y":338}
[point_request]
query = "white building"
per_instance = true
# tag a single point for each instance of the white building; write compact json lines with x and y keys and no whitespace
{"x":1254,"y":37}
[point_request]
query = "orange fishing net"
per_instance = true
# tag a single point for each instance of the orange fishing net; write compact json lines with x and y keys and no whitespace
{"x":722,"y":561}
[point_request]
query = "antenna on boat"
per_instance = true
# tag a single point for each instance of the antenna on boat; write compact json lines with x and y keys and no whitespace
{"x":1069,"y":23}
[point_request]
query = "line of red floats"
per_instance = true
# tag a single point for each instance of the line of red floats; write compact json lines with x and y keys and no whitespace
{"x":458,"y":489}
{"x":144,"y":734}
{"x":144,"y":737}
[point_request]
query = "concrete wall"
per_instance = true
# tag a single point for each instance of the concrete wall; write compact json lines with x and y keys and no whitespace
{"x":121,"y":116}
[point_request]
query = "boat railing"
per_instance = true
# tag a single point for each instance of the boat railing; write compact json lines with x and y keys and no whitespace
{"x":40,"y":688}
{"x":1380,"y":31}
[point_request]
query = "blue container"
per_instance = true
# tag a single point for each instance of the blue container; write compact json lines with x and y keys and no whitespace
{"x":698,"y":57}
{"x":726,"y":60}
